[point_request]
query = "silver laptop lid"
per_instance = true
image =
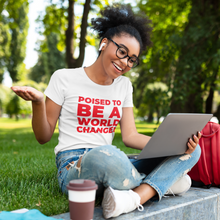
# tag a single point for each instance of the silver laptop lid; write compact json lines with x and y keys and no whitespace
{"x":172,"y":135}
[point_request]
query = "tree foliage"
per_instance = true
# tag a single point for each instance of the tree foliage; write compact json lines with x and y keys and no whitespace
{"x":71,"y":27}
{"x":49,"y":59}
{"x":13,"y":31}
{"x":185,"y":54}
{"x":168,"y":19}
{"x":4,"y":41}
{"x":156,"y":99}
{"x":4,"y":46}
{"x":199,"y":58}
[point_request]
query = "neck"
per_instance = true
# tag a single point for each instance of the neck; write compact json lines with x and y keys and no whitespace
{"x":97,"y":74}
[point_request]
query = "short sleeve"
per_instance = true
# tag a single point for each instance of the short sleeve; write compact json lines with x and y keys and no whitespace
{"x":128,"y":102}
{"x":56,"y":88}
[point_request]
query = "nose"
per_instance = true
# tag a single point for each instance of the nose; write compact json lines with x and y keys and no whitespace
{"x":124,"y":61}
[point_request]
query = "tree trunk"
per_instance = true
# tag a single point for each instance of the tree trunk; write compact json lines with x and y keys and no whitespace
{"x":150,"y":116}
{"x":84,"y":26}
{"x":1,"y":76}
{"x":69,"y":35}
{"x":217,"y":113}
{"x":71,"y":61}
{"x":158,"y":115}
{"x":209,"y":100}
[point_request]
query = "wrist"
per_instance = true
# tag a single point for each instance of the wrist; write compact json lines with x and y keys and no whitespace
{"x":38,"y":102}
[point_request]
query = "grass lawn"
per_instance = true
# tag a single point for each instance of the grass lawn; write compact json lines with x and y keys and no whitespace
{"x":28,"y":171}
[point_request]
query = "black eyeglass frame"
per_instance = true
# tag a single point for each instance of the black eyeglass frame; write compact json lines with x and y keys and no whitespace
{"x":129,"y":58}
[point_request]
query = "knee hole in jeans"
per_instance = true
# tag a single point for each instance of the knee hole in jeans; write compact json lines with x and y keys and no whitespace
{"x":79,"y":162}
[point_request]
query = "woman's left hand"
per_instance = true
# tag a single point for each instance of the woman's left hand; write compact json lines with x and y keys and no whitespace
{"x":192,"y":143}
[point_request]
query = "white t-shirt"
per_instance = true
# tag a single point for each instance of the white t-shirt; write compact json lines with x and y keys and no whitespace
{"x":90,"y":112}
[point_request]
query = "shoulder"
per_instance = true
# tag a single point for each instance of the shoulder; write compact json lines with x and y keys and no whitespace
{"x":124,"y":82}
{"x":123,"y":79}
{"x":67,"y":72}
{"x":66,"y":76}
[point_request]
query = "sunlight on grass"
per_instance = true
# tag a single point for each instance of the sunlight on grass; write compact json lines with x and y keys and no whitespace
{"x":6,"y":123}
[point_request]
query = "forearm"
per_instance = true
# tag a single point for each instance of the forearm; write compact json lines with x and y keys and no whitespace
{"x":136,"y":140}
{"x":45,"y":114}
{"x":40,"y":124}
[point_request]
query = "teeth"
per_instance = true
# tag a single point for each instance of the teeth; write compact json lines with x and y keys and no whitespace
{"x":117,"y":67}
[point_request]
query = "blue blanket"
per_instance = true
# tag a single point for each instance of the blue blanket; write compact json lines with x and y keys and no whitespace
{"x":33,"y":214}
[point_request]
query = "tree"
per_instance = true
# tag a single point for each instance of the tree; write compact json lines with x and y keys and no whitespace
{"x":185,"y":54}
{"x":199,"y":59}
{"x":49,"y":59}
{"x":4,"y":47}
{"x":168,"y":20}
{"x":4,"y":42}
{"x":19,"y":29}
{"x":13,"y":107}
{"x":156,"y":99}
{"x":13,"y":29}
{"x":71,"y":29}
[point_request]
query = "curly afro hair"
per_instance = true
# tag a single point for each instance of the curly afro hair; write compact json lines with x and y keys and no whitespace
{"x":118,"y":19}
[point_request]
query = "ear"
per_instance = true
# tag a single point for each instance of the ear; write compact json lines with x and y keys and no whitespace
{"x":103,"y":44}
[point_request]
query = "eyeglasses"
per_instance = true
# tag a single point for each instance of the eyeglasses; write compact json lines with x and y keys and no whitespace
{"x":122,"y":53}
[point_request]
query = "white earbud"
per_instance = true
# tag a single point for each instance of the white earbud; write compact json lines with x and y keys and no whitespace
{"x":101,"y":46}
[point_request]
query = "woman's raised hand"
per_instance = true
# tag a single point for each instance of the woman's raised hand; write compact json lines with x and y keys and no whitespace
{"x":28,"y":93}
{"x":192,"y":143}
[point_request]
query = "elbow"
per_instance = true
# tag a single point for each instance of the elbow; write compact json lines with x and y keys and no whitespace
{"x":125,"y":141}
{"x":42,"y":140}
{"x":130,"y":139}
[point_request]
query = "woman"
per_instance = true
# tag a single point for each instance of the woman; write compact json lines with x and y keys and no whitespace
{"x":89,"y":103}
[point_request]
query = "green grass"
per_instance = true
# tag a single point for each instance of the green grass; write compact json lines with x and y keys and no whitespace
{"x":28,"y":171}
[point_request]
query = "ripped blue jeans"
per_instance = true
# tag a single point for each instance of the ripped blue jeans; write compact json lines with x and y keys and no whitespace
{"x":109,"y":166}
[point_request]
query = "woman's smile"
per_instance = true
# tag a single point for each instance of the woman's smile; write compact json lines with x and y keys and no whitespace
{"x":117,"y":67}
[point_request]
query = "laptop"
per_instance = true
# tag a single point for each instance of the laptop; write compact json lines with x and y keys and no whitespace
{"x":172,"y":135}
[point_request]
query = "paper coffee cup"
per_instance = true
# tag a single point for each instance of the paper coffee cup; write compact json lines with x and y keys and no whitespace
{"x":81,"y":199}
